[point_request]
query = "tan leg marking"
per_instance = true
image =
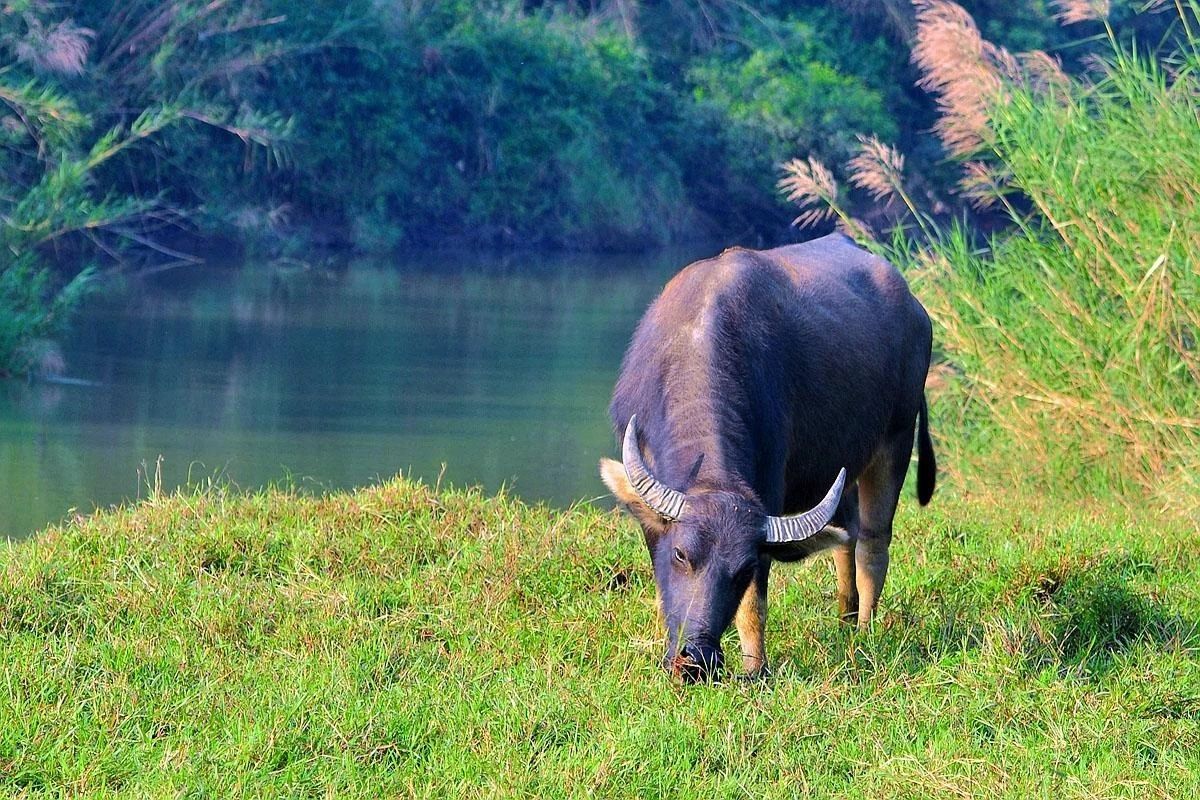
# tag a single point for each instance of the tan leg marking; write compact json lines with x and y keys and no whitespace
{"x":871,"y":559}
{"x":847,"y":590}
{"x":878,"y":491}
{"x":751,"y":622}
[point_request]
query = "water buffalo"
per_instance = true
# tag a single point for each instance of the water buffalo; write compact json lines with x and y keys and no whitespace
{"x":758,"y":384}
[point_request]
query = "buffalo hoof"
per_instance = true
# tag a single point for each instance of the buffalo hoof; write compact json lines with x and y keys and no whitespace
{"x":760,"y":675}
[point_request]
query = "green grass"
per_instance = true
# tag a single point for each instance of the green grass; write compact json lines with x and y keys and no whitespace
{"x":401,"y":641}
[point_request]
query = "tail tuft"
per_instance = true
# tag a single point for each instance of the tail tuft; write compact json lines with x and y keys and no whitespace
{"x":926,"y":463}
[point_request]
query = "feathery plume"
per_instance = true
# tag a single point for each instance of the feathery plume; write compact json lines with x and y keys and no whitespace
{"x":856,"y":229}
{"x":1072,"y":11}
{"x":60,"y":48}
{"x":983,"y":186}
{"x":1042,"y":71}
{"x":963,"y":70}
{"x":810,"y":185}
{"x":878,"y":168}
{"x":1006,"y":64}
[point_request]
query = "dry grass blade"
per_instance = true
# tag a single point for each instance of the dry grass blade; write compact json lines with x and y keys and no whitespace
{"x":807,"y":181}
{"x":855,"y":229}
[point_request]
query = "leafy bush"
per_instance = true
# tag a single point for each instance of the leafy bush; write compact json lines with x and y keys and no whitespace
{"x":75,"y":192}
{"x":784,"y":89}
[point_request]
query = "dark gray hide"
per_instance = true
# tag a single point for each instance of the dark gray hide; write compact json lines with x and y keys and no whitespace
{"x":754,"y":377}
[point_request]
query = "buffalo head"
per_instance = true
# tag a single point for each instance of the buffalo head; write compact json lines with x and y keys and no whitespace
{"x":707,"y":547}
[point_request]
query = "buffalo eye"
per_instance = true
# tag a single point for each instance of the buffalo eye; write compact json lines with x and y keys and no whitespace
{"x":680,"y":558}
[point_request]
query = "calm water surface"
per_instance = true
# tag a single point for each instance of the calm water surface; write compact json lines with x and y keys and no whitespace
{"x":498,"y":368}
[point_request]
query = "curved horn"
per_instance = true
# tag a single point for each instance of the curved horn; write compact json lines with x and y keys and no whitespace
{"x":797,"y":527}
{"x":668,"y":502}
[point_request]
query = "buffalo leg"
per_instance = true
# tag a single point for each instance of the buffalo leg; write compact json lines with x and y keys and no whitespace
{"x":843,"y":556}
{"x":878,"y":491}
{"x":847,"y":590}
{"x":751,"y":621}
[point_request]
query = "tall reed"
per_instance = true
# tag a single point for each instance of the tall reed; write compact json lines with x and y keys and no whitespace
{"x":1072,"y":338}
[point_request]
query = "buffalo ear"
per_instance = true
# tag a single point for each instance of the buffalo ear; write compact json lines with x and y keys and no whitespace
{"x":824,"y":539}
{"x":614,"y":477}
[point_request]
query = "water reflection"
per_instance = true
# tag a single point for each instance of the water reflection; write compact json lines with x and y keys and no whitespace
{"x":498,"y":367}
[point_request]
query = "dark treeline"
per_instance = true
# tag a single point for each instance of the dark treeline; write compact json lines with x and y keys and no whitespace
{"x":131,"y":132}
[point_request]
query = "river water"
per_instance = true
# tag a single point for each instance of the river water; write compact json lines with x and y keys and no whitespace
{"x":491,"y":370}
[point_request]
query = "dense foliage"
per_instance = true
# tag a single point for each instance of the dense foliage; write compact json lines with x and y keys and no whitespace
{"x":615,"y":124}
{"x":80,"y":189}
{"x":400,"y":640}
{"x":133,"y":131}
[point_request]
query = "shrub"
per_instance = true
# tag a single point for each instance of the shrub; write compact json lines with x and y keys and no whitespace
{"x":75,"y":191}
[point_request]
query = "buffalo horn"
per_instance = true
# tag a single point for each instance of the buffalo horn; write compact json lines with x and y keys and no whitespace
{"x":663,"y":499}
{"x":797,"y":527}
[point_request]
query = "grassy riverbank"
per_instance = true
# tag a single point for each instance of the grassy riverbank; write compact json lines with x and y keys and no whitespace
{"x":398,"y":640}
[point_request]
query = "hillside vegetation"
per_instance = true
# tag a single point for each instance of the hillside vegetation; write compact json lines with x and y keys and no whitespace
{"x":403,"y":641}
{"x":138,"y":134}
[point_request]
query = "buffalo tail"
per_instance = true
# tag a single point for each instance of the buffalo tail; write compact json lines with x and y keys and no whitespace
{"x":926,"y":464}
